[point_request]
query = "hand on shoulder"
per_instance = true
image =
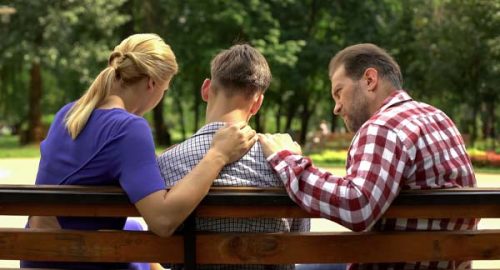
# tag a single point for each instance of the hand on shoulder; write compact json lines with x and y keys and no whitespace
{"x":273,"y":143}
{"x":233,"y":141}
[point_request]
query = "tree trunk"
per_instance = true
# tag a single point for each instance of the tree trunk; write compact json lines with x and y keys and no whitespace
{"x":333,"y":123}
{"x":180,"y":110}
{"x":127,"y":28}
{"x":304,"y":122}
{"x":473,"y":136}
{"x":278,"y":117}
{"x":289,"y":117}
{"x":258,"y":122}
{"x":196,"y":105}
{"x":34,"y":133}
{"x":162,"y":134}
{"x":198,"y":102}
{"x":489,"y":123}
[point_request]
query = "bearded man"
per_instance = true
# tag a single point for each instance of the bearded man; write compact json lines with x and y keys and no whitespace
{"x":399,"y":144}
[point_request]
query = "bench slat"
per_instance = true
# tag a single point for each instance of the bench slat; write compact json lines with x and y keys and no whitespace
{"x":232,"y":195}
{"x":270,"y":248}
{"x":120,"y":210}
{"x":88,"y":246}
{"x":237,"y":202}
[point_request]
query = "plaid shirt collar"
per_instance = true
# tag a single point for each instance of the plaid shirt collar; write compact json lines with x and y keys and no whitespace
{"x":397,"y":97}
{"x":209,"y":128}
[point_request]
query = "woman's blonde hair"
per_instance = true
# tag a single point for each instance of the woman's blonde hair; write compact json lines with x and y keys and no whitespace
{"x":138,"y":56}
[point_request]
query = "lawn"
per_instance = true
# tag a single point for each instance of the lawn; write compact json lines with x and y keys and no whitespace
{"x":10,"y":148}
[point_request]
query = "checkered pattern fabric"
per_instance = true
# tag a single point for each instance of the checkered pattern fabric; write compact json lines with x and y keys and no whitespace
{"x":404,"y":145}
{"x":251,"y":170}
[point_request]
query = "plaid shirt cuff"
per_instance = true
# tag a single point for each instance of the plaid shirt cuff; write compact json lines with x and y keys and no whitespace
{"x":277,"y":157}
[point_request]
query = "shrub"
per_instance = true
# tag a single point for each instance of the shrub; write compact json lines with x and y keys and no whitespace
{"x":479,"y":158}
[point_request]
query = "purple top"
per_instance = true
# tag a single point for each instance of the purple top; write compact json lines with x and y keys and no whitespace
{"x":115,"y":148}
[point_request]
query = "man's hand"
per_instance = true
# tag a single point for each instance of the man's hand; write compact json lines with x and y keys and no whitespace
{"x":273,"y":143}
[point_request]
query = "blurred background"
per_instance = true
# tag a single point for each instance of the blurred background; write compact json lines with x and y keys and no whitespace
{"x":449,"y":52}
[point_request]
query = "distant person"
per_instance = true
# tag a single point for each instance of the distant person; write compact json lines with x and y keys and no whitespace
{"x":400,"y":144}
{"x":239,"y":77}
{"x":102,"y":139}
{"x":323,"y":127}
{"x":319,"y":137}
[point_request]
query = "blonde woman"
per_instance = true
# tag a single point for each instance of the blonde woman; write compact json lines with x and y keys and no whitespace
{"x":102,"y":139}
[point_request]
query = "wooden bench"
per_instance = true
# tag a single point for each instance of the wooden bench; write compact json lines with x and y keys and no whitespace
{"x":190,"y":247}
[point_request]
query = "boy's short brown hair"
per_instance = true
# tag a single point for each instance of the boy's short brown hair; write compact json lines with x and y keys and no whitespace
{"x":240,"y":69}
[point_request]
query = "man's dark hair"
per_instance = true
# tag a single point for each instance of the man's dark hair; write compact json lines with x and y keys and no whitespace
{"x":357,"y":58}
{"x":240,"y":69}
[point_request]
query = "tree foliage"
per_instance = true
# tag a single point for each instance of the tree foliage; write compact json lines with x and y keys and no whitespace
{"x":449,"y":52}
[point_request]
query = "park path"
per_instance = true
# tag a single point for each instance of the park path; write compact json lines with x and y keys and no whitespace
{"x":22,"y":171}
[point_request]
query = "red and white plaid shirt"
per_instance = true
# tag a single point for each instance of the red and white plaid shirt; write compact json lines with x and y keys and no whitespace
{"x":404,"y":145}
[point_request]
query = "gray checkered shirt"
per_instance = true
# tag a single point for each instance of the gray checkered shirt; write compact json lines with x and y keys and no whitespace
{"x":251,"y":170}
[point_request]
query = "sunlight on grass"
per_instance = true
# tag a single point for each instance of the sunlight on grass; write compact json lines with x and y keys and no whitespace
{"x":10,"y":148}
{"x":330,"y":157}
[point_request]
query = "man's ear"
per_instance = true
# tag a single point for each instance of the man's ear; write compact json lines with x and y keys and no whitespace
{"x":205,"y":89}
{"x":257,"y":102}
{"x":371,"y":78}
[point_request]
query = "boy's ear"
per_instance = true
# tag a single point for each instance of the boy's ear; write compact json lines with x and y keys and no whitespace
{"x":205,"y":89}
{"x":256,"y":104}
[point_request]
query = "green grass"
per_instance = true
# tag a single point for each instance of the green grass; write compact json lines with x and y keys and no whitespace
{"x":10,"y":148}
{"x":339,"y":168}
{"x":488,"y":170}
{"x":334,"y":160}
{"x":331,"y":158}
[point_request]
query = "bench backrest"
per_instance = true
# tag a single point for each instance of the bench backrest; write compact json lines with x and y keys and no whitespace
{"x":192,"y":247}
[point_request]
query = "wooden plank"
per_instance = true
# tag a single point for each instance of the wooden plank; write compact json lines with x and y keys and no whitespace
{"x":237,"y":202}
{"x":67,"y":209}
{"x":233,"y":196}
{"x":251,"y":211}
{"x":443,"y":211}
{"x":89,"y":246}
{"x":120,"y":210}
{"x":252,"y":248}
{"x":349,"y":247}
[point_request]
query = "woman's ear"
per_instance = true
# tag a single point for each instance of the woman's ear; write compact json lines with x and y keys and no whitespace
{"x":151,"y":84}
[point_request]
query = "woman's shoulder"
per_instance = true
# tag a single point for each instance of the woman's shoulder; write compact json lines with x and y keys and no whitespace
{"x":117,"y":122}
{"x":65,"y":109}
{"x":118,"y":116}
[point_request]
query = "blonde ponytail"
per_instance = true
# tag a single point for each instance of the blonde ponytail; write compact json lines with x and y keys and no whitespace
{"x":136,"y":57}
{"x":79,"y":114}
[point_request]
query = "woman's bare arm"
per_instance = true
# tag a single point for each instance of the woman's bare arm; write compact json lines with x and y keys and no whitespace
{"x":164,"y":211}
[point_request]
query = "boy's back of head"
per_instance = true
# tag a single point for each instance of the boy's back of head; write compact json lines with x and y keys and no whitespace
{"x":240,"y":70}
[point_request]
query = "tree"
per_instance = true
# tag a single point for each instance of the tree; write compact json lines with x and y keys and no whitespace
{"x":460,"y":46}
{"x":56,"y":37}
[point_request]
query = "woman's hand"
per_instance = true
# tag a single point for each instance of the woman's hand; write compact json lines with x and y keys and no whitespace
{"x":233,"y":141}
{"x":164,"y":212}
{"x":277,"y":142}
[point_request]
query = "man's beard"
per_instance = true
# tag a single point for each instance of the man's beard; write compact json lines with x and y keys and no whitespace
{"x":359,"y":113}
